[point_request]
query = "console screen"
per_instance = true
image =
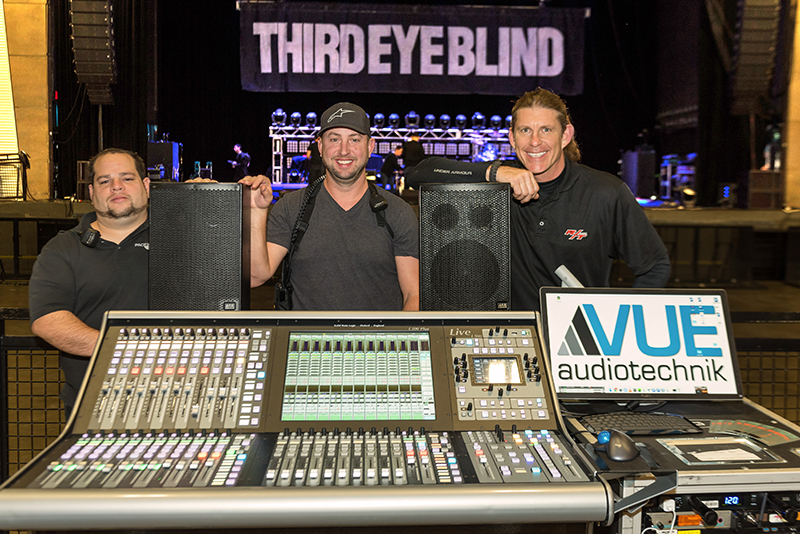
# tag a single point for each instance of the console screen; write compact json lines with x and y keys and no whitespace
{"x":358,"y":376}
{"x":497,"y":370}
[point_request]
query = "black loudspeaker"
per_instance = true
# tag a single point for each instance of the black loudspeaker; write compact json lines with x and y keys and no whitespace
{"x":199,"y":247}
{"x":755,"y":51}
{"x":92,"y":25}
{"x":465,"y":258}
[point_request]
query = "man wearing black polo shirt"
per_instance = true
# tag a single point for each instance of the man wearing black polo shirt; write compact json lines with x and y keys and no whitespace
{"x":99,"y":265}
{"x":564,"y":213}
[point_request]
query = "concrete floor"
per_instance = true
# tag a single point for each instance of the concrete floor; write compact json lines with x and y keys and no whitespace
{"x":762,"y":296}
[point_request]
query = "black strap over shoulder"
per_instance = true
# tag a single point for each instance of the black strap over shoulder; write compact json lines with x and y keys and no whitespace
{"x":378,"y":205}
{"x":283,"y":291}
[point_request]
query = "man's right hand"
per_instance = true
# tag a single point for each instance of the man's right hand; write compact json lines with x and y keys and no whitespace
{"x":260,"y":191}
{"x":523,"y":183}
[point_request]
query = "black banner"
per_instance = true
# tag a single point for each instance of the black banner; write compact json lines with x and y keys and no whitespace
{"x":390,"y":48}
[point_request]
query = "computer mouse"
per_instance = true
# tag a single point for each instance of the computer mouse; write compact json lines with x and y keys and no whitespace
{"x":619,"y":446}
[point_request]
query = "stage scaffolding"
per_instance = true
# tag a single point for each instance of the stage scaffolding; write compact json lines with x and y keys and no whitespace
{"x":466,"y":144}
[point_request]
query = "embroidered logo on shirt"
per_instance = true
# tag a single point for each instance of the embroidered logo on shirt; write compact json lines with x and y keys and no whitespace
{"x":145,"y":246}
{"x":576,"y":234}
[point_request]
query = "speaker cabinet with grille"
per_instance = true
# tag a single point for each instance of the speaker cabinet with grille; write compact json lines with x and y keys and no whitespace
{"x":465,"y":258}
{"x":199,"y":247}
{"x":92,"y":30}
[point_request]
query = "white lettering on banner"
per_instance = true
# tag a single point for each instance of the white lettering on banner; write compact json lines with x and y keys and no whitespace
{"x":428,"y":50}
{"x":481,"y":67}
{"x":351,"y":37}
{"x":326,"y":45}
{"x":551,"y":52}
{"x":460,"y":43}
{"x":405,"y":44}
{"x":378,"y":48}
{"x":503,"y":51}
{"x":265,"y":31}
{"x":323,"y":48}
{"x":523,"y":52}
{"x":308,"y":47}
{"x":292,"y":46}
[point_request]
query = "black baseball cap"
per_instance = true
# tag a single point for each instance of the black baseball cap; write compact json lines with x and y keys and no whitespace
{"x":345,"y":115}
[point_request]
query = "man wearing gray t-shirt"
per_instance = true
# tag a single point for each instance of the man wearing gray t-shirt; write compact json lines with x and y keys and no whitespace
{"x":357,"y":253}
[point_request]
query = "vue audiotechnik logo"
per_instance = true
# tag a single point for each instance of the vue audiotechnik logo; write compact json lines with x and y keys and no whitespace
{"x":586,"y":336}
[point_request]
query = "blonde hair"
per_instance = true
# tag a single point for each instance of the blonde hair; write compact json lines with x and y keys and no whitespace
{"x":542,"y":98}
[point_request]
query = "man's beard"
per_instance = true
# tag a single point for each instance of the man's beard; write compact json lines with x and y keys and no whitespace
{"x":130,"y":211}
{"x":346,"y":180}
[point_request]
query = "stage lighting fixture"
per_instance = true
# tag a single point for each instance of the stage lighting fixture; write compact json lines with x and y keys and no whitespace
{"x":430,"y":121}
{"x":496,"y":122}
{"x":311,"y":119}
{"x":478,"y":120}
{"x":295,"y":118}
{"x":394,"y":120}
{"x":509,"y":118}
{"x":278,"y":117}
{"x":444,"y":121}
{"x":461,"y":121}
{"x":412,"y":119}
{"x":379,"y":121}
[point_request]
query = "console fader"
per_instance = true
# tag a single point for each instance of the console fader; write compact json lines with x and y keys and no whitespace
{"x":389,"y":403}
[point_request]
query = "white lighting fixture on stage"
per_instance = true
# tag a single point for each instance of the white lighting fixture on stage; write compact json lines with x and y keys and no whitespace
{"x":279,"y":117}
{"x":412,"y":120}
{"x":430,"y":121}
{"x":311,"y":119}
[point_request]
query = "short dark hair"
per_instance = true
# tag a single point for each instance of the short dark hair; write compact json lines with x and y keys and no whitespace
{"x":141,"y":169}
{"x":237,"y":144}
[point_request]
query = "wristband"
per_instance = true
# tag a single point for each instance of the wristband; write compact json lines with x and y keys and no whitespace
{"x":493,"y":170}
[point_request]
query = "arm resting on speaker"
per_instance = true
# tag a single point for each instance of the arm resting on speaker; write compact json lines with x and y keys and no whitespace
{"x":443,"y":170}
{"x":408,"y":276}
{"x":264,"y":257}
{"x":66,"y":332}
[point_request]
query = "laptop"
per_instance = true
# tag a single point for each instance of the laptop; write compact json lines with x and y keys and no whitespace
{"x":636,"y":352}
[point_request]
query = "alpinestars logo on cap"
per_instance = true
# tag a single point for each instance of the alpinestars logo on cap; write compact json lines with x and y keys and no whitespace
{"x":576,"y":234}
{"x":339,"y":113}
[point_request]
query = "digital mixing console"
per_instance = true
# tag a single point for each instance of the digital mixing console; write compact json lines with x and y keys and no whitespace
{"x":245,"y":419}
